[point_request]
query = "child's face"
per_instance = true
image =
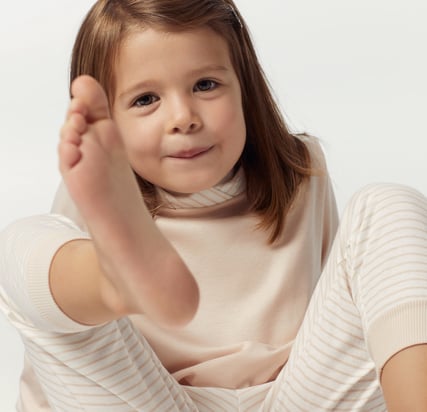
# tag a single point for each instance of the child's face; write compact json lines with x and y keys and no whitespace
{"x":178,"y":107}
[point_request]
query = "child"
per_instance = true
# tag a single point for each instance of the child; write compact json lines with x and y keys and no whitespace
{"x":192,"y":296}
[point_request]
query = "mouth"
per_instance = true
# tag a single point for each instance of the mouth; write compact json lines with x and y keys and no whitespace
{"x":191,"y":154}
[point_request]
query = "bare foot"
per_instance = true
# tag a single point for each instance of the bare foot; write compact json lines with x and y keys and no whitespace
{"x":143,"y":271}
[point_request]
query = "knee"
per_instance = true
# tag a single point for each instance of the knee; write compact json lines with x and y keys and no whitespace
{"x":388,"y":196}
{"x":384,"y":205}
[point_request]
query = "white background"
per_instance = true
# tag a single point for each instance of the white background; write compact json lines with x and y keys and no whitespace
{"x":350,"y":72}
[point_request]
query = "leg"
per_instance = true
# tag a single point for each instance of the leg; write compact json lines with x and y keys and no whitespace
{"x":108,"y":368}
{"x":375,"y":281}
{"x":135,"y":270}
{"x":228,"y":400}
{"x":112,"y":368}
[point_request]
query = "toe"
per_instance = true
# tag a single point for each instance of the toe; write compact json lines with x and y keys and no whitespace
{"x":69,"y":156}
{"x":88,"y":90}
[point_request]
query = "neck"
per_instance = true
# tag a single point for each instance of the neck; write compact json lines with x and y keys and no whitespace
{"x":232,"y":185}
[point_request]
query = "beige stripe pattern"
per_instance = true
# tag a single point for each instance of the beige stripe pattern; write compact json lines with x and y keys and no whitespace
{"x":370,"y":302}
{"x":108,"y":368}
{"x":233,"y":185}
{"x":375,"y":281}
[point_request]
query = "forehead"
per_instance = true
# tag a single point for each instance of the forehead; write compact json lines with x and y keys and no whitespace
{"x":153,"y":48}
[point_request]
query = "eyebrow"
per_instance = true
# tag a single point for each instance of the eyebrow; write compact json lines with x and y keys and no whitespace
{"x":148,"y":83}
{"x":209,"y":68}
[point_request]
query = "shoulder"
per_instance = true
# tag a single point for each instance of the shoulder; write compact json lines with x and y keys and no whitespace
{"x":317,"y":156}
{"x":319,"y":185}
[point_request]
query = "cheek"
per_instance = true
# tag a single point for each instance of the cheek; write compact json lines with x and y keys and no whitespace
{"x":227,"y":119}
{"x":139,"y":137}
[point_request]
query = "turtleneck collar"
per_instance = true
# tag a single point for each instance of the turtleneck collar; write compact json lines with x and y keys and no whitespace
{"x":231,"y":186}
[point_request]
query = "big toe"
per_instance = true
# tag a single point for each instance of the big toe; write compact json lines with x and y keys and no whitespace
{"x":91,"y":92}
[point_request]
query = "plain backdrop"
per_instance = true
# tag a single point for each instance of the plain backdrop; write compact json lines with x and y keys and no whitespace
{"x":352,"y":73}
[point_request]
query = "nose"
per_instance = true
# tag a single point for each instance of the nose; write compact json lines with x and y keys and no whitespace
{"x":183,"y":117}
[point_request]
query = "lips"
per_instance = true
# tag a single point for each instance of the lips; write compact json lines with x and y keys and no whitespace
{"x":190,"y":154}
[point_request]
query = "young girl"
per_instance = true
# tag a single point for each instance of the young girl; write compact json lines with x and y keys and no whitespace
{"x":195,"y":296}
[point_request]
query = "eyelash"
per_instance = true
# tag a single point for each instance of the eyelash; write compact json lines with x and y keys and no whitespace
{"x":212,"y":86}
{"x":137,"y":101}
{"x":213,"y":83}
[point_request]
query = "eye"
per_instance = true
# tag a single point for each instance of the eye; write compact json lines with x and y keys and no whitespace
{"x":205,"y":85}
{"x":145,"y":100}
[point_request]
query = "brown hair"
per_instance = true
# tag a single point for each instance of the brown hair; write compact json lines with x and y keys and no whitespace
{"x":275,"y":162}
